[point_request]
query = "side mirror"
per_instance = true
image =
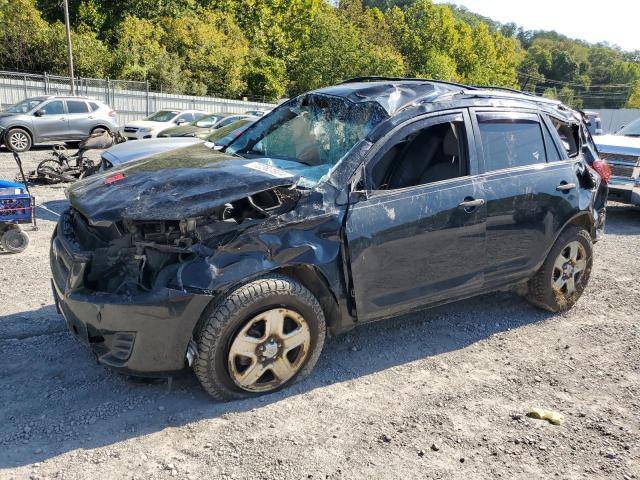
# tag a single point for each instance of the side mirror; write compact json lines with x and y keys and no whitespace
{"x":180,"y":121}
{"x":39,"y":113}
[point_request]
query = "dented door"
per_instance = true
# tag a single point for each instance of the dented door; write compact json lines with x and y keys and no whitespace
{"x":416,"y":246}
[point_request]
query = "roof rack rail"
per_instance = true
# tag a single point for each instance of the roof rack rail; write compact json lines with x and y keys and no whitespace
{"x":506,"y":89}
{"x":396,"y":79}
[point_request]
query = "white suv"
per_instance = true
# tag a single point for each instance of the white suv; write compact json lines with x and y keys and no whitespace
{"x":161,"y":120}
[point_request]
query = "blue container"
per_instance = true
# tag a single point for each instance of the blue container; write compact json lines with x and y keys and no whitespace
{"x":16,"y":205}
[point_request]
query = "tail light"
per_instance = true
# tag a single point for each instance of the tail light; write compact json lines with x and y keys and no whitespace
{"x":603,"y":169}
{"x":113,"y":113}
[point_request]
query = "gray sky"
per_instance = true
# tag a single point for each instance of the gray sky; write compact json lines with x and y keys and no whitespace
{"x":613,"y":21}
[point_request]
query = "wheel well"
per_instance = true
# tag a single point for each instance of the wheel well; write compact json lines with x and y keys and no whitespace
{"x":316,"y":283}
{"x":20,"y":127}
{"x":104,"y":127}
{"x":584,"y":221}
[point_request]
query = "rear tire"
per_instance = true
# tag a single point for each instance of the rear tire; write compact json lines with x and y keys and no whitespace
{"x":261,"y":337}
{"x":14,"y":240}
{"x":565,"y":273}
{"x":18,"y":140}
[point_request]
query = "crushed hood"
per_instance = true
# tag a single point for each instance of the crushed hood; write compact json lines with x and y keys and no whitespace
{"x":174,"y":185}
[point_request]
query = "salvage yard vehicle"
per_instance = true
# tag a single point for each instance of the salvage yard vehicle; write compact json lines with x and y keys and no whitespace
{"x":54,"y":118}
{"x":622,"y":151}
{"x":220,"y":138}
{"x":344,"y":205}
{"x":151,"y":126}
{"x":205,"y":126}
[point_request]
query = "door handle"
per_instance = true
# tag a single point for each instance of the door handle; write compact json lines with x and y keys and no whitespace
{"x":472,"y":203}
{"x":565,"y":187}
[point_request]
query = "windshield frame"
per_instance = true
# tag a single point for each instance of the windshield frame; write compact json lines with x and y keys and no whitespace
{"x":635,"y":125}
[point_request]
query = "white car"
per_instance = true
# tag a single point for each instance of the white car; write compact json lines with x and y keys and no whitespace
{"x":159,"y":121}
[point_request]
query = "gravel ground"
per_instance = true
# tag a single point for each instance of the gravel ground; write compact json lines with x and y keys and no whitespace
{"x":439,"y":394}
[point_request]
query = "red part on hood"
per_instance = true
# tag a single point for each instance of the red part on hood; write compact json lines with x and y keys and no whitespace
{"x":113,"y":178}
{"x":603,"y":169}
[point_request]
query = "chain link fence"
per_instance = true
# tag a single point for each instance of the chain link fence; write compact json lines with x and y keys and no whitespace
{"x":132,"y":100}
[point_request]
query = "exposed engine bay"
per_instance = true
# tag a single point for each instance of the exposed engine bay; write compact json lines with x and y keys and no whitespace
{"x":129,"y":255}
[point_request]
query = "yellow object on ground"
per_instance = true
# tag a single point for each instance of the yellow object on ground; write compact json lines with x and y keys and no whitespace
{"x":542,"y":414}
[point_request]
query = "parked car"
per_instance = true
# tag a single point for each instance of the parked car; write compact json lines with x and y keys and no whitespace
{"x":118,"y":155}
{"x":622,"y":151}
{"x":151,"y":126}
{"x":345,"y":205}
{"x":594,"y":123}
{"x":203,"y":127}
{"x":53,"y":118}
{"x":257,"y":113}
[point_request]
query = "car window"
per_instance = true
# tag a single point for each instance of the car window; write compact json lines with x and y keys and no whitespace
{"x":198,"y":115}
{"x":163,"y":116}
{"x":569,"y":135}
{"x":207,"y":121}
{"x":94,"y":106}
{"x":229,"y":120}
{"x":511,"y":141}
{"x":24,"y":106}
{"x":187,"y":117}
{"x":53,"y":108}
{"x":428,"y":155}
{"x":631,"y":130}
{"x":77,"y":106}
{"x":553,"y":154}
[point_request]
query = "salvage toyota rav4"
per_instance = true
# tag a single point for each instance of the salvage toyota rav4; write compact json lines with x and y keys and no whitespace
{"x":345,"y":205}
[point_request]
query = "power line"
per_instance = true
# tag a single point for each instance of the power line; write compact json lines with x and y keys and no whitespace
{"x":542,"y":78}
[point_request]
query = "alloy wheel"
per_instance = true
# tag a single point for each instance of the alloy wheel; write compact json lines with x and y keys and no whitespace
{"x":269,"y":350}
{"x":569,"y":268}
{"x":19,"y":140}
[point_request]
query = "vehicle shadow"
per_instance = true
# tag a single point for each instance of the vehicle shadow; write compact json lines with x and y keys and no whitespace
{"x":622,"y":219}
{"x":51,"y":210}
{"x":57,"y":399}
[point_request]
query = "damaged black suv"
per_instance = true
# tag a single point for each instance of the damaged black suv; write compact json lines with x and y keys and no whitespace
{"x":345,"y":205}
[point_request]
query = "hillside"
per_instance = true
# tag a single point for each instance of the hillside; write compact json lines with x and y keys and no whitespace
{"x":267,"y":49}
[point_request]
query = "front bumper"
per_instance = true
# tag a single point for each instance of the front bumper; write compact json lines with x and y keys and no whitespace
{"x":139,"y":135}
{"x":145,"y":334}
{"x":625,"y":190}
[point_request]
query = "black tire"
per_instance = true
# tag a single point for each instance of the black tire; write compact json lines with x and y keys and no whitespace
{"x":98,"y":130}
{"x":225,"y":320}
{"x":18,"y":140}
{"x":542,"y":289}
{"x":14,"y":240}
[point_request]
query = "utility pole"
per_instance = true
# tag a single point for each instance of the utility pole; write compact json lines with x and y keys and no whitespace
{"x":69,"y":49}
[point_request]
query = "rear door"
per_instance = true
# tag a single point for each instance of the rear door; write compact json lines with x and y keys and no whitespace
{"x":81,"y":119}
{"x":531,"y":190}
{"x":52,"y":124}
{"x":418,"y":243}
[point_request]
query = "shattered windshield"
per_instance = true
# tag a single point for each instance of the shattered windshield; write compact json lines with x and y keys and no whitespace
{"x":631,"y":130}
{"x":309,"y":134}
{"x":25,"y":106}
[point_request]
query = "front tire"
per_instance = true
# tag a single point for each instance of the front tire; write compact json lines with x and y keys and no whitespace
{"x":18,"y":140}
{"x":261,"y":337}
{"x":565,"y":273}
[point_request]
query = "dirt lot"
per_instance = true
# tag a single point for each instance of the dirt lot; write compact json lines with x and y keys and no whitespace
{"x":440,"y":394}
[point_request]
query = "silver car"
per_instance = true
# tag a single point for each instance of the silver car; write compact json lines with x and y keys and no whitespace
{"x":53,"y":118}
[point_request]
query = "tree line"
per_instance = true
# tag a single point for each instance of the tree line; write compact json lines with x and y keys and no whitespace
{"x":269,"y":49}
